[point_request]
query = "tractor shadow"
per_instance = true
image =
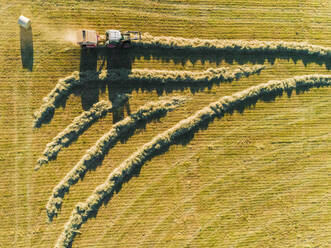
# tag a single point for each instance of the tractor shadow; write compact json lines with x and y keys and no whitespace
{"x":90,"y":91}
{"x":26,"y":41}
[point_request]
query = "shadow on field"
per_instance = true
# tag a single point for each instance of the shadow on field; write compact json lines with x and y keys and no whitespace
{"x":119,"y":58}
{"x":109,"y":59}
{"x":90,"y":91}
{"x":182,"y":56}
{"x":26,"y":48}
{"x":139,"y":125}
{"x":124,"y":58}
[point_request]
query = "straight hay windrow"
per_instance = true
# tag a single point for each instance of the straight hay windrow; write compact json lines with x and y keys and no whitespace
{"x":231,"y":46}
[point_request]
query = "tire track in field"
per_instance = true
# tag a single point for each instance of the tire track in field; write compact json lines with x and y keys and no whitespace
{"x":256,"y":171}
{"x":212,"y":182}
{"x":95,"y":155}
{"x":134,"y":200}
{"x":77,"y":127}
{"x":66,"y":85}
{"x":133,"y":164}
{"x":279,"y":219}
{"x":251,"y":199}
{"x":299,"y":157}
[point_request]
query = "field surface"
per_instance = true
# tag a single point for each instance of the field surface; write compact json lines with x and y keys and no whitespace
{"x":257,"y":178}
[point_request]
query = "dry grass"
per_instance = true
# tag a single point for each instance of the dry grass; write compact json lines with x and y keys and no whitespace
{"x":96,"y":153}
{"x":66,"y":86}
{"x":132,"y":165}
{"x":165,"y":76}
{"x":270,"y":196}
{"x":79,"y":125}
{"x":62,"y":90}
{"x":237,"y":46}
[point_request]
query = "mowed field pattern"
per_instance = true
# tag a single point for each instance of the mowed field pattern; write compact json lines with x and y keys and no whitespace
{"x":254,"y":179}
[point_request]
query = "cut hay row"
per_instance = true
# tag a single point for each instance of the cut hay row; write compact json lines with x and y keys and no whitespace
{"x":132,"y":165}
{"x":164,"y":76}
{"x":237,"y":46}
{"x":96,"y":153}
{"x":65,"y":86}
{"x":79,"y":125}
{"x":63,"y":89}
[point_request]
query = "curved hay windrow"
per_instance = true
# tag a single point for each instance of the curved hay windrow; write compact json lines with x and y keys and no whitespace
{"x":79,"y":125}
{"x":97,"y":152}
{"x":66,"y":86}
{"x":62,"y":89}
{"x":238,"y":46}
{"x":84,"y":211}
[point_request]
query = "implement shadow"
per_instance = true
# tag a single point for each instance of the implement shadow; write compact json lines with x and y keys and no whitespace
{"x":26,"y":41}
{"x":88,"y":92}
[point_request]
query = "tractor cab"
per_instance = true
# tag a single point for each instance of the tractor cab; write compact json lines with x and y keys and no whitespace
{"x":114,"y":38}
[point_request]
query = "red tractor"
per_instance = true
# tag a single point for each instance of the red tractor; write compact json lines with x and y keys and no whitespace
{"x":112,"y":39}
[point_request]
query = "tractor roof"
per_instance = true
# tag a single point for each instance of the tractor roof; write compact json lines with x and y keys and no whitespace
{"x":113,"y":31}
{"x":114,"y":35}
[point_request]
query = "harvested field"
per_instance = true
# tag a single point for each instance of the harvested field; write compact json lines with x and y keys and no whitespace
{"x":96,"y":153}
{"x":67,"y":85}
{"x":132,"y":165}
{"x":80,"y":124}
{"x":235,"y":46}
{"x":255,"y":176}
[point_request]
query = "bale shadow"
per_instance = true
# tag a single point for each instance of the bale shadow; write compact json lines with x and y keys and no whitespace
{"x":26,"y":41}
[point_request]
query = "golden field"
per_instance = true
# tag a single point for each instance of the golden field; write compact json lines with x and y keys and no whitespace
{"x":254,"y":179}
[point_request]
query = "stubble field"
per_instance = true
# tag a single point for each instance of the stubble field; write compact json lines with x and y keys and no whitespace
{"x":252,"y":178}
